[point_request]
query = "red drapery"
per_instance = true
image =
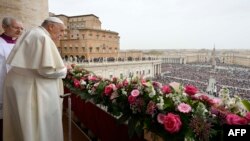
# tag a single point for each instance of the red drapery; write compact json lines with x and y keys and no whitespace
{"x":103,"y":125}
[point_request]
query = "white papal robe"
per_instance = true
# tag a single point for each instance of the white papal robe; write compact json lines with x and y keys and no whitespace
{"x":32,"y":107}
{"x":5,"y":49}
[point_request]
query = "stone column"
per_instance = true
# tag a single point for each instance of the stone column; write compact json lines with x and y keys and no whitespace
{"x":30,"y":12}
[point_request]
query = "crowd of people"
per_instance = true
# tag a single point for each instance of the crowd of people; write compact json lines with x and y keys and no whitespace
{"x":235,"y":78}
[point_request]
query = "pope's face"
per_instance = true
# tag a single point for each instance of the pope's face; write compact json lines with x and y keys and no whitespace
{"x":57,"y":31}
{"x":14,"y":30}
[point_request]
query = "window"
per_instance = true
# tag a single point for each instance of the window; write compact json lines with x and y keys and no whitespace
{"x":97,"y":49}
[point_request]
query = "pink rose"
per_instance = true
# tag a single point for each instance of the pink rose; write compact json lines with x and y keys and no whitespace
{"x":233,"y":119}
{"x":135,"y":93}
{"x":160,"y":118}
{"x":131,"y":99}
{"x":172,"y":123}
{"x":119,"y":85}
{"x":151,"y":108}
{"x":109,"y":89}
{"x":144,"y":82}
{"x":215,"y":101}
{"x":166,"y":89}
{"x":92,"y":78}
{"x":157,"y":84}
{"x":125,"y":82}
{"x":184,"y":108}
{"x":76,"y":83}
{"x":191,"y":90}
{"x":206,"y":98}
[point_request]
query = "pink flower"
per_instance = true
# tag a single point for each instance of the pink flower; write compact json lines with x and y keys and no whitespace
{"x":144,"y":82}
{"x":76,"y":83}
{"x":125,"y":82}
{"x":247,"y":116}
{"x":151,"y":108}
{"x":109,"y":89}
{"x":175,"y":86}
{"x":119,"y":85}
{"x":135,"y":93}
{"x":172,"y":123}
{"x":191,"y":90}
{"x":160,"y":118}
{"x":157,"y":84}
{"x":205,"y":98}
{"x":131,"y":99}
{"x":233,"y":119}
{"x":92,"y":78}
{"x":215,"y":101}
{"x":166,"y":89}
{"x":184,"y":108}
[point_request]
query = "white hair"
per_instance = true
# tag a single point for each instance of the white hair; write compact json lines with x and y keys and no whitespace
{"x":7,"y":21}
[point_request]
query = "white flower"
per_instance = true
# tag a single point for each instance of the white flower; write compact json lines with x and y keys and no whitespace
{"x":160,"y":106}
{"x":161,"y":103}
{"x":82,"y":82}
{"x":124,"y":92}
{"x":152,"y":92}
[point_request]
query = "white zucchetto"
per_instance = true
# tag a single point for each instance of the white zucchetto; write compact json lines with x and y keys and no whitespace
{"x":54,"y":19}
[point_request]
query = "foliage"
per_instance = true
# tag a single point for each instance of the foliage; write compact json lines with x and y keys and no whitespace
{"x":171,"y":111}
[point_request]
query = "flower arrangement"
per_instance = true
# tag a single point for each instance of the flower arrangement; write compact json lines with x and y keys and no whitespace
{"x":172,"y":111}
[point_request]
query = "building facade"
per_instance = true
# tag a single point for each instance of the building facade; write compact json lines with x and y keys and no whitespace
{"x":84,"y":39}
{"x":123,"y":69}
{"x":241,"y":58}
{"x":185,"y":56}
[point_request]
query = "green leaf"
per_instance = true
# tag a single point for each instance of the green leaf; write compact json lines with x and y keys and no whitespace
{"x":246,"y":103}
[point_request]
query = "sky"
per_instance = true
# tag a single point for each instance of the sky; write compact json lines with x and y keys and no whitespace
{"x":168,"y":24}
